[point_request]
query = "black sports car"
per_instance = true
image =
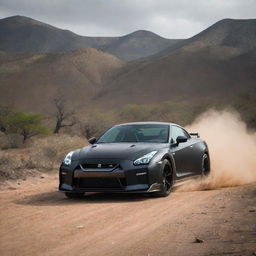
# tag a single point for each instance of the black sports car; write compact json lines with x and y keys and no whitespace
{"x":135,"y":157}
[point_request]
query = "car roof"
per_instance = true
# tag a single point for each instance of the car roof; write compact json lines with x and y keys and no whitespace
{"x":139,"y":123}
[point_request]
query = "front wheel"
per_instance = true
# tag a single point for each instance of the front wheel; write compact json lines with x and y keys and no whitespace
{"x":167,"y":180}
{"x":74,"y":195}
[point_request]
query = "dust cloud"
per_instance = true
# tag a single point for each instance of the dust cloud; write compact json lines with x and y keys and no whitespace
{"x":232,"y":151}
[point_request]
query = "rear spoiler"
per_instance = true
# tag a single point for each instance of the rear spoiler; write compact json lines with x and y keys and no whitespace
{"x":195,"y":134}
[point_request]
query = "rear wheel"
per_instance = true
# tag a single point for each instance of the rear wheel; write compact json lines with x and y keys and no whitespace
{"x":74,"y":195}
{"x":167,"y":180}
{"x":205,"y":165}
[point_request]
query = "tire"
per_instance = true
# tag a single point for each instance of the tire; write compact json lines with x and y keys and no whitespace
{"x":167,"y":180}
{"x":74,"y":195}
{"x":205,"y":165}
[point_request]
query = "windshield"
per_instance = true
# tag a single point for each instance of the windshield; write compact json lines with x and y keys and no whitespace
{"x":136,"y":133}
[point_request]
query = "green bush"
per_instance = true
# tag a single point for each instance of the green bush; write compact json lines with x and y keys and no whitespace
{"x":27,"y":125}
{"x":21,"y":124}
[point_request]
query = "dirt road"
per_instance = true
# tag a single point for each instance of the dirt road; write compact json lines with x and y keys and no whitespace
{"x":37,"y":220}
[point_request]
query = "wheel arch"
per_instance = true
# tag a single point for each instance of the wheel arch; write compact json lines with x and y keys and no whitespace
{"x":209,"y":160}
{"x":172,"y":163}
{"x":206,"y":151}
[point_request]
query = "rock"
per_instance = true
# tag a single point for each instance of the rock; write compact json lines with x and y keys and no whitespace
{"x":198,"y":240}
{"x":252,"y":210}
{"x":41,"y":177}
{"x":80,"y":226}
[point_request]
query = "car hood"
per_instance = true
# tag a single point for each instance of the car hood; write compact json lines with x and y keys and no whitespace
{"x":127,"y":151}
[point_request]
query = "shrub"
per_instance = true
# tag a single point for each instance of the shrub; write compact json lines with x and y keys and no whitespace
{"x":11,"y":166}
{"x":8,"y":141}
{"x":42,"y":154}
{"x":95,"y":124}
{"x":27,"y":125}
{"x":46,"y":153}
{"x":21,"y":124}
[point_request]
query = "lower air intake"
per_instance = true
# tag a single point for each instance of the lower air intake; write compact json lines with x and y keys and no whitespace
{"x":112,"y":183}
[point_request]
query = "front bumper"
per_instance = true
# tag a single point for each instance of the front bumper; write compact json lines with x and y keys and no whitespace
{"x":123,"y":178}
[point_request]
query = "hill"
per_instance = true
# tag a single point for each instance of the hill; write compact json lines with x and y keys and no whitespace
{"x":217,"y":64}
{"x":240,"y":34}
{"x":137,"y":45}
{"x":26,"y":35}
{"x":31,"y":82}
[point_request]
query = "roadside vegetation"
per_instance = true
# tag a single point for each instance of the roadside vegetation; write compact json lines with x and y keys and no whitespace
{"x":42,"y":154}
{"x":32,"y":142}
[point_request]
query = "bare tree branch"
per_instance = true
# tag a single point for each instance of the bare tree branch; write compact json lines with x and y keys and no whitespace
{"x":62,"y":114}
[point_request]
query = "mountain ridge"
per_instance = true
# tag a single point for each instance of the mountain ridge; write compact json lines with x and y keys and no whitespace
{"x":215,"y":35}
{"x":23,"y":34}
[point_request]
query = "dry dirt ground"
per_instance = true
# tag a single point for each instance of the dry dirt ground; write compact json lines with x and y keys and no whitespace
{"x":38,"y":220}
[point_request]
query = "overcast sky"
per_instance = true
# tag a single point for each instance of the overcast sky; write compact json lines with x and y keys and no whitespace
{"x":168,"y":18}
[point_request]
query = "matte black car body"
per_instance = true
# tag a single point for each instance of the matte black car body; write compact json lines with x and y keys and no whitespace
{"x":109,"y":167}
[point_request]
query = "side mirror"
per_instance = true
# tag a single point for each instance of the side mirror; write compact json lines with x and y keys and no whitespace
{"x":181,"y":139}
{"x":92,"y":140}
{"x":196,"y":134}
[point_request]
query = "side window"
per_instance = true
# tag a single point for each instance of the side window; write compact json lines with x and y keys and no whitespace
{"x":177,"y":131}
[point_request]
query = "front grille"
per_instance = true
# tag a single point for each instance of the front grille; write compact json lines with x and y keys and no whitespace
{"x":113,"y":183}
{"x":99,"y":166}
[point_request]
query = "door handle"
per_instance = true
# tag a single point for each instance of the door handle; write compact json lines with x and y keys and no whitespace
{"x":191,"y":146}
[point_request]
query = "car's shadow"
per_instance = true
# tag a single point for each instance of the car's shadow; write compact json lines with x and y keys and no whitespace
{"x":57,"y":198}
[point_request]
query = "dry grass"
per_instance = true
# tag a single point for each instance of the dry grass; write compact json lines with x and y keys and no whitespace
{"x":43,"y":154}
{"x":46,"y":153}
{"x":10,"y":141}
{"x":12,"y":164}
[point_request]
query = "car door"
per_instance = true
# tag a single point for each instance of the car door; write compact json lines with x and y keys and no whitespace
{"x":182,"y":152}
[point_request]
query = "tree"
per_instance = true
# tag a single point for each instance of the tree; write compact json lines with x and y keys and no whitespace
{"x":26,"y":124}
{"x":95,"y":124}
{"x":5,"y":113}
{"x":62,"y":115}
{"x":90,"y":128}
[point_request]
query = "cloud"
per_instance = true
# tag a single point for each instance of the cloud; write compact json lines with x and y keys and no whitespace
{"x":168,"y":18}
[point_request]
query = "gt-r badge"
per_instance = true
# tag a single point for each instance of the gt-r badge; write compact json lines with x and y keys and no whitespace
{"x":140,"y":173}
{"x":99,"y":166}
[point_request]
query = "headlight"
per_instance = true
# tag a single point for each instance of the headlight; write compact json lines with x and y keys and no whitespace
{"x":67,"y":159}
{"x":145,"y":159}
